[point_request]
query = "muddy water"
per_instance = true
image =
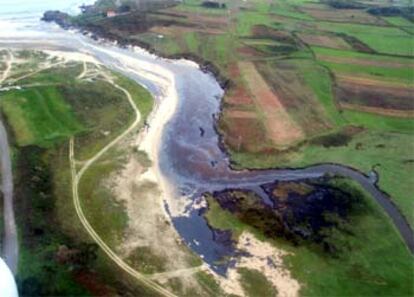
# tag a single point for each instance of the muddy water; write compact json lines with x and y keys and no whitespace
{"x":189,"y":154}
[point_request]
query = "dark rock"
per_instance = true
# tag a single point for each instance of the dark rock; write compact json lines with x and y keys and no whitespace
{"x":222,"y":236}
{"x":60,"y":18}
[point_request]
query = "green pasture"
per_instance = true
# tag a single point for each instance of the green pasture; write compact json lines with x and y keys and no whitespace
{"x":361,"y":271}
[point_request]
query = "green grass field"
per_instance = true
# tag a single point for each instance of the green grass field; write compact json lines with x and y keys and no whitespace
{"x":393,"y":40}
{"x":39,"y":116}
{"x":255,"y":284}
{"x":399,"y":21}
{"x":361,"y":271}
{"x":391,"y":151}
{"x":401,"y":75}
{"x":360,"y":55}
{"x":51,"y":107}
{"x":96,"y":197}
{"x":319,"y":80}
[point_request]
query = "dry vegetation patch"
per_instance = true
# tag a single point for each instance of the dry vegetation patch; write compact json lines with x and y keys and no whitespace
{"x":379,"y":110}
{"x":285,"y":79}
{"x":150,"y":242}
{"x":244,"y":133}
{"x":249,"y":53}
{"x":262,"y":31}
{"x":363,"y":61}
{"x":171,"y":30}
{"x":369,"y":81}
{"x":267,"y":260}
{"x":284,"y":188}
{"x":379,"y":96}
{"x":241,"y":114}
{"x":238,"y":94}
{"x":375,"y":97}
{"x":209,"y":23}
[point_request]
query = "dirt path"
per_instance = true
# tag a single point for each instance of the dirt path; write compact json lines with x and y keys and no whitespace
{"x":9,"y":65}
{"x":14,"y":80}
{"x":84,"y":71}
{"x":76,"y":177}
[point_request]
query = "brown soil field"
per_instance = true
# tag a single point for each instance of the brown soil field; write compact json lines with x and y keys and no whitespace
{"x":325,"y":41}
{"x":178,"y":30}
{"x":243,"y":134}
{"x":136,"y":23}
{"x":201,"y":19}
{"x":213,"y":24}
{"x":284,"y":78}
{"x":241,"y":114}
{"x":280,"y":127}
{"x":249,"y":52}
{"x":363,"y":62}
{"x":379,"y":110}
{"x":209,"y":20}
{"x":237,"y":95}
{"x":262,"y":31}
{"x":345,"y":15}
{"x":171,"y":30}
{"x":358,"y":45}
{"x":369,"y":81}
{"x":383,"y":97}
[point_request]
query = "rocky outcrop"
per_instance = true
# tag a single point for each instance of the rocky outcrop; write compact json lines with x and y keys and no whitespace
{"x":60,"y":18}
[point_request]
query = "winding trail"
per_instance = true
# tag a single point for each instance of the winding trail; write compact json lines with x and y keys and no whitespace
{"x":14,"y":80}
{"x":76,"y":177}
{"x":84,"y":71}
{"x":9,"y":65}
{"x":10,"y":250}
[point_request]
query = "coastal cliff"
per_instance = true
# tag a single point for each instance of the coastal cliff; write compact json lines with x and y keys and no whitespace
{"x":60,"y":18}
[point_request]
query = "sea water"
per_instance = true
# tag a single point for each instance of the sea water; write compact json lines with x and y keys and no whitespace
{"x":19,"y":18}
{"x":35,"y":8}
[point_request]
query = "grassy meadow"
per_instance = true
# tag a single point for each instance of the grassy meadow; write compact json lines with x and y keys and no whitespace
{"x":57,"y":257}
{"x":360,"y":269}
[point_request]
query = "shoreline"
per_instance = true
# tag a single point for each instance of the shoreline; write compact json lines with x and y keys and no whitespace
{"x":336,"y":168}
{"x":96,"y":34}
